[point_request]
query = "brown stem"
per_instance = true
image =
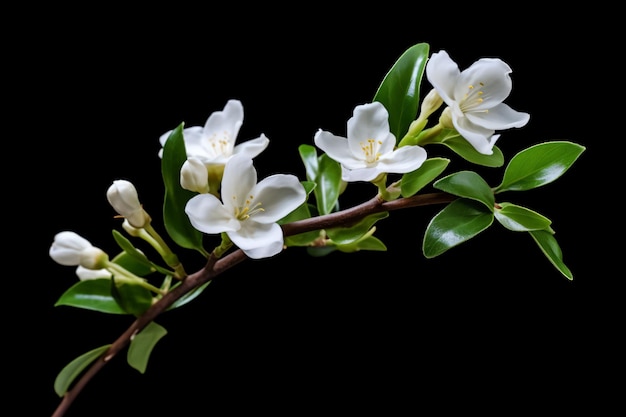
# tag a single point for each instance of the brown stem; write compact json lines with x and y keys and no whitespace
{"x":215,"y":267}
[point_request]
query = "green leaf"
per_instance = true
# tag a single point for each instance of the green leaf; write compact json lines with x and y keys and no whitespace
{"x":142,"y":344}
{"x":347,"y":235}
{"x":399,"y":91}
{"x":308,"y":154}
{"x":92,"y":294}
{"x":465,"y":150}
{"x":128,"y":247}
{"x":414,"y":181}
{"x":326,"y":174}
{"x":175,"y":219}
{"x":133,"y":298}
{"x":539,"y":165}
{"x":189,"y":296}
{"x":458,"y":222}
{"x":551,"y":249}
{"x":467,"y":184}
{"x":520,"y":219}
{"x":132,"y":264}
{"x":328,"y":182}
{"x":73,"y":369}
{"x":371,"y":243}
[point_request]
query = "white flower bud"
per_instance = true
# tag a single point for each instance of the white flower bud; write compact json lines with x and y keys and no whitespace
{"x":122,"y":195}
{"x":194,"y":176}
{"x":431,"y":102}
{"x":86,"y":274}
{"x":71,"y":249}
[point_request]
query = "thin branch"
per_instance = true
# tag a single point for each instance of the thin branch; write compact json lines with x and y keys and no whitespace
{"x":215,"y":267}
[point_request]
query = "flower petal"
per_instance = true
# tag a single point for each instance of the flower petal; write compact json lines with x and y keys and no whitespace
{"x":279,"y":195}
{"x":207,"y":214}
{"x":370,"y":121}
{"x":253,"y":147}
{"x":336,"y":147}
{"x":362,"y":174}
{"x":477,"y":136}
{"x":238,"y":181}
{"x":258,"y":240}
{"x":442,"y":73}
{"x":226,"y":122}
{"x":402,"y":160}
{"x":499,"y":117}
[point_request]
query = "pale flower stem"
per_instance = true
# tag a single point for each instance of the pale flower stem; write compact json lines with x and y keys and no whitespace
{"x":166,"y":253}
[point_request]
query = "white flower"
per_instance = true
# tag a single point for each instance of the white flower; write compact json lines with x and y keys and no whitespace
{"x":476,"y":98}
{"x":248,"y":212}
{"x":214,"y":143}
{"x":368,"y":149}
{"x":122,"y":195}
{"x":194,"y":176}
{"x":71,"y":249}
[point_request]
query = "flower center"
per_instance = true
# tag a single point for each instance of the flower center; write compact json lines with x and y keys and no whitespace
{"x":246,"y":211}
{"x":220,"y":144}
{"x":370,"y":150}
{"x":473,"y":98}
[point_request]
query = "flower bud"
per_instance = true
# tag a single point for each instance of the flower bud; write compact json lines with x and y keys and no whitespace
{"x":194,"y":176}
{"x":431,"y":102}
{"x":122,"y":195}
{"x":86,"y":274}
{"x":446,"y":118}
{"x":71,"y":249}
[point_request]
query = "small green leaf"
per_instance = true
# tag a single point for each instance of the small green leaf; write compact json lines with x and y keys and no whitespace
{"x":175,"y":219}
{"x":465,"y":150}
{"x":551,"y":249}
{"x":414,"y":181}
{"x":467,"y":184}
{"x":132,"y":264}
{"x":520,"y":219}
{"x":92,"y":294}
{"x":399,"y":91}
{"x":458,"y":222}
{"x":133,"y":298}
{"x":189,"y":296}
{"x":539,"y":165}
{"x":328,"y":182}
{"x":128,"y":247}
{"x":308,"y":154}
{"x":73,"y":369}
{"x":370,"y":243}
{"x":142,"y":344}
{"x":347,"y":235}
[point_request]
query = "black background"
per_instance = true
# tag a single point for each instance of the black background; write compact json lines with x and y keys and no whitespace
{"x":489,"y":325}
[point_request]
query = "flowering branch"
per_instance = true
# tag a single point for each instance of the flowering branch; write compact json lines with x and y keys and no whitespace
{"x":212,"y":188}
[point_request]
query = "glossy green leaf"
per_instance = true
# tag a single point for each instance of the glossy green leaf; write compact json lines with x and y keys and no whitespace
{"x":328,"y":182}
{"x":189,"y":296}
{"x":520,"y":219}
{"x":308,"y":154}
{"x":347,"y":235}
{"x":132,"y":264}
{"x":539,"y":165}
{"x":326,"y":174}
{"x":414,"y":181}
{"x":319,"y":251}
{"x":175,"y":219}
{"x":465,"y":150}
{"x":399,"y":91}
{"x":458,"y":222}
{"x":142,"y":344}
{"x":371,"y":243}
{"x":551,"y":249}
{"x":92,"y":294}
{"x":73,"y":369}
{"x":467,"y":184}
{"x":133,"y":299}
